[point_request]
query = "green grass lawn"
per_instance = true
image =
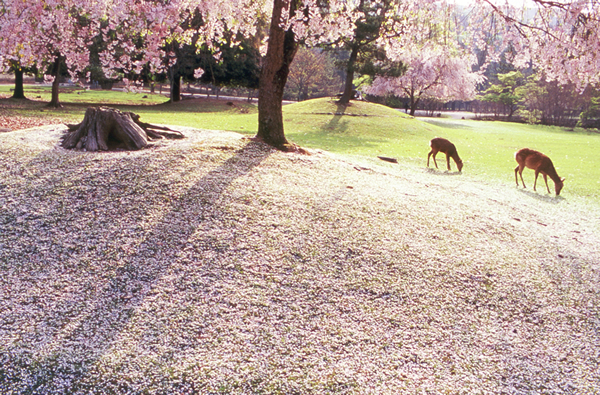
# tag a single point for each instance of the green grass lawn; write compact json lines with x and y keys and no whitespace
{"x":364,"y":129}
{"x":487,"y":148}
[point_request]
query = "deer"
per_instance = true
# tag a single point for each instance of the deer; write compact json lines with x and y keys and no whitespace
{"x":541,"y":164}
{"x":439,"y":144}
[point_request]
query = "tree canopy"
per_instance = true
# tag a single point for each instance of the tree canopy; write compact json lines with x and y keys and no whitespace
{"x":559,"y":39}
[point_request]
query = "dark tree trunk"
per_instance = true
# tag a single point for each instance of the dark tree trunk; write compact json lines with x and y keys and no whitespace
{"x":413,"y":107}
{"x":175,"y":88}
{"x":281,"y":50}
{"x":107,"y":128}
{"x":175,"y":80}
{"x":19,"y":92}
{"x":414,"y":102}
{"x":54,"y":102}
{"x":348,"y":86}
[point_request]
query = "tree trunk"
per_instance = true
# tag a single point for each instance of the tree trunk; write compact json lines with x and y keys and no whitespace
{"x":54,"y":102}
{"x":175,"y":84}
{"x":19,"y":92}
{"x":413,"y":107}
{"x":414,"y":101}
{"x":348,"y":86}
{"x":108,"y":129}
{"x":281,"y":50}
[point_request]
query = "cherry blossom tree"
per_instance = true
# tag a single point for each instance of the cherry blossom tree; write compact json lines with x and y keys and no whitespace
{"x":292,"y":22}
{"x":15,"y":53}
{"x":430,"y":73}
{"x":560,"y":39}
{"x":49,"y":33}
{"x":438,"y":65}
{"x":158,"y":25}
{"x":378,"y":24}
{"x":153,"y":33}
{"x":146,"y":34}
{"x":59,"y":32}
{"x":309,"y":21}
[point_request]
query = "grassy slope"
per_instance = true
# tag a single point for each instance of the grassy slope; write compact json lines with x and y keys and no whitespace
{"x":487,"y":148}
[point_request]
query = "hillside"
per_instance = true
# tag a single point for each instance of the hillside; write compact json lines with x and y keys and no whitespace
{"x":218,"y":265}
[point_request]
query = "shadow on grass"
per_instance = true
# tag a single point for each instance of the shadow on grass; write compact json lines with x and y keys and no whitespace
{"x":335,"y":123}
{"x":202,"y":105}
{"x":548,"y":198}
{"x":438,"y":172}
{"x":334,"y":135}
{"x":76,"y":334}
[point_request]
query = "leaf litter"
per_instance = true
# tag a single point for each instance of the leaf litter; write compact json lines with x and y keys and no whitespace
{"x":216,"y":264}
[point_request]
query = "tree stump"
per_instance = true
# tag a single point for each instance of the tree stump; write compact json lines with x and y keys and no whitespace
{"x":106,"y":129}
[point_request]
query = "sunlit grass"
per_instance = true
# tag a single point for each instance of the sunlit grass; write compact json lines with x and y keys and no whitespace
{"x":487,"y":148}
{"x":360,"y":129}
{"x":363,"y":129}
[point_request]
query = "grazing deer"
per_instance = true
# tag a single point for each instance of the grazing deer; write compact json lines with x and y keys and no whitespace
{"x":541,"y":164}
{"x":439,"y":144}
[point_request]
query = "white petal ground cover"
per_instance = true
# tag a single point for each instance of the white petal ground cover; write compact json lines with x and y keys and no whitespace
{"x":215,"y":264}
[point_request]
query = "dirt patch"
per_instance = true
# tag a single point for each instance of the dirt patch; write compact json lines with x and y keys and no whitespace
{"x":9,"y":120}
{"x":13,"y":122}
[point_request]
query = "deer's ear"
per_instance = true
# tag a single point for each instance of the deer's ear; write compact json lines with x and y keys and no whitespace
{"x":562,"y":179}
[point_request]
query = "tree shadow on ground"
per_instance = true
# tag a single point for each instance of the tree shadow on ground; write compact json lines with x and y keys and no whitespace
{"x":334,"y":123}
{"x":334,"y":134}
{"x":65,"y":357}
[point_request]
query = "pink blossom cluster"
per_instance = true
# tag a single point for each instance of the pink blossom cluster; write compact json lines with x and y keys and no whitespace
{"x":431,"y":48}
{"x":560,"y":39}
{"x":37,"y":33}
{"x":431,"y":73}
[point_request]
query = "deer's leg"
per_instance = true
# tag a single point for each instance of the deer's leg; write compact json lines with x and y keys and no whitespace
{"x":546,"y":180}
{"x":448,"y":161}
{"x":428,"y":156}
{"x":519,"y":169}
{"x":537,"y":173}
{"x":434,"y":161}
